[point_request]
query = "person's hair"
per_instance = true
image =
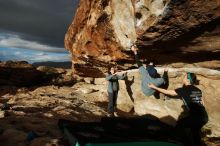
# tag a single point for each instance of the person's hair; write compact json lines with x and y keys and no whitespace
{"x":109,"y":68}
{"x":192,"y":77}
{"x":147,"y":62}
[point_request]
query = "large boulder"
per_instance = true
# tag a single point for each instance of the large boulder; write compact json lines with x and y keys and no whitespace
{"x":169,"y":31}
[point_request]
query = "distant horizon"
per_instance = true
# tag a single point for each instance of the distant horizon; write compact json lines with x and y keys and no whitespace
{"x":31,"y":56}
{"x":54,"y":64}
{"x":38,"y":61}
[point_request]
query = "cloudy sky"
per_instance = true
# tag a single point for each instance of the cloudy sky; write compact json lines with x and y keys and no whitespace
{"x":33,"y":30}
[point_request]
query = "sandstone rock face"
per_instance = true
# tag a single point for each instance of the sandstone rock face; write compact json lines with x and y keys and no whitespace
{"x":167,"y":30}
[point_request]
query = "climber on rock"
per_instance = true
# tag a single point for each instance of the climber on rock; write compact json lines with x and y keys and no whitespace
{"x":149,"y":75}
{"x":113,"y":88}
{"x":192,"y":98}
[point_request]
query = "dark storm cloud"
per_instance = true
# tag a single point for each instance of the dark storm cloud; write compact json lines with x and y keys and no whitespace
{"x":42,"y":21}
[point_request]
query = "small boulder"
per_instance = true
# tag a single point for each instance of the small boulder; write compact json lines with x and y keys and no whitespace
{"x":2,"y":114}
{"x":89,"y":80}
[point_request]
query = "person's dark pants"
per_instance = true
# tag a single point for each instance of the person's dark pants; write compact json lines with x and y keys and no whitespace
{"x":112,"y":98}
{"x":194,"y":121}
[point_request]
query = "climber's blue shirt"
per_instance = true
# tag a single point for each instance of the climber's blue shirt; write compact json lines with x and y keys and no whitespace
{"x":147,"y":79}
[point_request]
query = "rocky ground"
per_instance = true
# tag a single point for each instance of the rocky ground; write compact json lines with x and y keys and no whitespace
{"x":38,"y":111}
{"x":37,"y":108}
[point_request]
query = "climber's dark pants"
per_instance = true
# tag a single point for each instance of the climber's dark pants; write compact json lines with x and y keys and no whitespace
{"x":112,"y":97}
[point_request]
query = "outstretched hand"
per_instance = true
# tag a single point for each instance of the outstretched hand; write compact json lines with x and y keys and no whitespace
{"x":134,"y":49}
{"x":151,"y":85}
